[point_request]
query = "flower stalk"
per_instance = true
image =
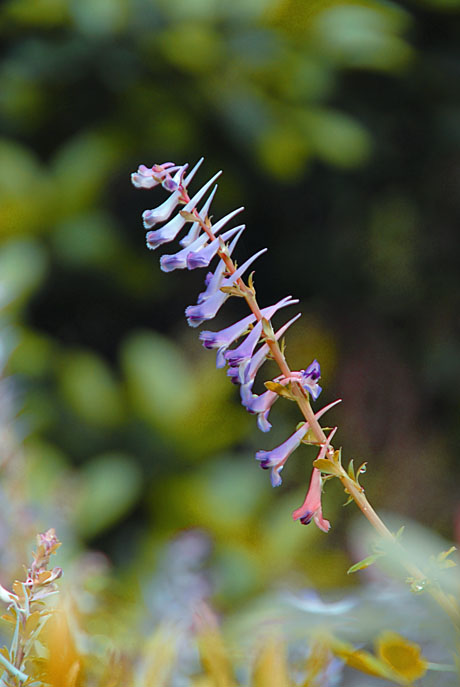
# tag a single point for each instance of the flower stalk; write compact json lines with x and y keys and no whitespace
{"x":297,"y":385}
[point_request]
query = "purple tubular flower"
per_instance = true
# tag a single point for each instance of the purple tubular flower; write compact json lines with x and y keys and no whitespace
{"x":213,"y":282}
{"x":165,"y":210}
{"x":225,"y":337}
{"x":245,"y":350}
{"x":258,"y":405}
{"x":247,"y":371}
{"x":179,"y":260}
{"x":310,"y":378}
{"x":277,"y":457}
{"x":195,"y":229}
{"x":196,"y":314}
{"x":202,"y":259}
{"x":169,"y":231}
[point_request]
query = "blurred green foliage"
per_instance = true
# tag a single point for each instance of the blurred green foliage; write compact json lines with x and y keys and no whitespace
{"x":337,"y":126}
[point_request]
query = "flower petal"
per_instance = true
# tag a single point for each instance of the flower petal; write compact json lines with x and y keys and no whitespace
{"x":179,"y":260}
{"x":196,"y":228}
{"x":169,"y":231}
{"x":277,"y":457}
{"x":245,"y":350}
{"x":203,"y":257}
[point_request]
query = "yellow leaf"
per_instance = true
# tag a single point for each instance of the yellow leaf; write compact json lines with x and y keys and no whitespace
{"x":213,"y":654}
{"x":326,"y":466}
{"x":402,"y":656}
{"x":64,"y":663}
{"x":270,"y":668}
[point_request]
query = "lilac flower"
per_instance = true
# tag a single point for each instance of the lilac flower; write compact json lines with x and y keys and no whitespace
{"x":311,"y":508}
{"x":246,"y":372}
{"x":245,"y":350}
{"x":203,"y":257}
{"x":225,"y":337}
{"x":277,"y":457}
{"x":258,"y":405}
{"x":310,"y":377}
{"x":196,"y":314}
{"x":148,"y":177}
{"x":178,"y":260}
{"x":164,"y":211}
{"x":195,"y":229}
{"x":213,"y":282}
{"x":169,"y":231}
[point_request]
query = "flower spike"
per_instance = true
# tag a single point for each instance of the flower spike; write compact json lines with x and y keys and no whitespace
{"x":199,"y":247}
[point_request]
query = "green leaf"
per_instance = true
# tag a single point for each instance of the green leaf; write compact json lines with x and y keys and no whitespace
{"x":365,"y":563}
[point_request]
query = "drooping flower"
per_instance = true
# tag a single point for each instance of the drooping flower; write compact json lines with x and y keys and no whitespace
{"x":310,"y":377}
{"x":277,"y":457}
{"x":169,"y":231}
{"x":196,"y":227}
{"x":246,"y":372}
{"x":258,"y":405}
{"x":226,"y":337}
{"x":213,"y":282}
{"x":196,"y":314}
{"x":179,"y":260}
{"x":203,"y":257}
{"x":245,"y":350}
{"x":311,"y":508}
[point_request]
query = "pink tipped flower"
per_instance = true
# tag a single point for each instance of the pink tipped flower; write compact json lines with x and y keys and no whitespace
{"x":165,"y":210}
{"x":277,"y":457}
{"x":149,"y":177}
{"x":311,"y":508}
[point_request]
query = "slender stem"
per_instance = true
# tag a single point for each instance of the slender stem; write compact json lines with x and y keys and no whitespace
{"x":352,"y":488}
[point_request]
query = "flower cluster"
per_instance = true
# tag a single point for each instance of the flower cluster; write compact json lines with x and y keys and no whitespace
{"x":245,"y":345}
